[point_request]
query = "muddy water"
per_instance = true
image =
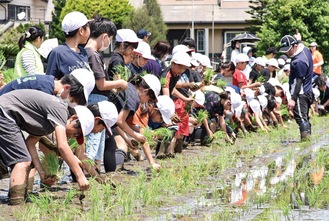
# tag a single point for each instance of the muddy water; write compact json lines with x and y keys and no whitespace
{"x":268,"y":176}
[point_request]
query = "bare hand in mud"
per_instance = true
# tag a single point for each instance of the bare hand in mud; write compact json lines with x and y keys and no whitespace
{"x":140,"y":138}
{"x":175,"y":119}
{"x":133,"y":144}
{"x":83,"y":183}
{"x":49,"y":181}
{"x":156,"y":167}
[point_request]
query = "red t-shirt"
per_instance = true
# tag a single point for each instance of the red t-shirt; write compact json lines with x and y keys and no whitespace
{"x":239,"y":77}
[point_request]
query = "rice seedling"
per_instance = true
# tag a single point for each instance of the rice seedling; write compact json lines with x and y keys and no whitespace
{"x":202,"y":114}
{"x":163,"y":81}
{"x":50,"y":165}
{"x":163,"y":133}
{"x":73,"y":143}
{"x":148,"y":133}
{"x":261,"y":79}
{"x":121,"y":72}
{"x":207,"y":76}
{"x":220,"y":83}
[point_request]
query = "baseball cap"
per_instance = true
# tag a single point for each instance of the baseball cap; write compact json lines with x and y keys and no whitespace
{"x":166,"y":107}
{"x":263,"y":101}
{"x":205,"y":61}
{"x":154,"y":84}
{"x":86,"y":119}
{"x":141,"y":33}
{"x":194,"y":62}
{"x":73,"y":20}
{"x":273,"y":62}
{"x":126,"y":35}
{"x":242,"y":58}
{"x":230,"y":89}
{"x":144,"y":50}
{"x":260,"y":61}
{"x":109,"y":114}
{"x":181,"y":58}
{"x":246,"y":50}
{"x":313,"y":44}
{"x":250,"y":95}
{"x":181,"y":48}
{"x":254,"y":105}
{"x":199,"y":97}
{"x":86,"y":78}
{"x":286,"y":67}
{"x":287,"y":42}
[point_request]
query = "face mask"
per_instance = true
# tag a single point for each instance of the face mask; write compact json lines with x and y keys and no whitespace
{"x":103,"y":48}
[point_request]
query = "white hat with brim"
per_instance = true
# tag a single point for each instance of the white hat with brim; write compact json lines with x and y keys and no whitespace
{"x":242,"y":58}
{"x":199,"y":97}
{"x":235,"y":101}
{"x":126,"y":35}
{"x":86,"y":119}
{"x":313,"y":44}
{"x":109,"y":114}
{"x":250,"y":94}
{"x":166,"y":107}
{"x":238,"y":110}
{"x":260,"y":61}
{"x":273,"y":62}
{"x":254,"y":105}
{"x":74,"y":20}
{"x":181,"y":48}
{"x":87,"y":79}
{"x":144,"y":50}
{"x":154,"y":83}
{"x":263,"y":101}
{"x":181,"y":58}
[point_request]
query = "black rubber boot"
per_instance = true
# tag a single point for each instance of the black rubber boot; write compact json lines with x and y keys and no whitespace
{"x":305,"y":131}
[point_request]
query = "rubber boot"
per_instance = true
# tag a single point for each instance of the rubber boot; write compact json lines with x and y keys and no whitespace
{"x":17,"y":195}
{"x":305,"y":131}
{"x":171,"y":149}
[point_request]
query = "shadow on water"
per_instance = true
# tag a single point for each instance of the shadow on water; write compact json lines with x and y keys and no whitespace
{"x":290,"y":185}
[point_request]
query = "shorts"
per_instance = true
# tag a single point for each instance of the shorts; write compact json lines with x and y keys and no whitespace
{"x":96,"y":141}
{"x":183,"y":128}
{"x":13,"y":149}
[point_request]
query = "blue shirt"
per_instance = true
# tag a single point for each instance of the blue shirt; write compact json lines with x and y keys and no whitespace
{"x":43,"y":83}
{"x":301,"y":66}
{"x":63,"y":60}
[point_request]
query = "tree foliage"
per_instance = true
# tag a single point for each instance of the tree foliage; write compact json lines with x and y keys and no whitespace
{"x":55,"y":28}
{"x":116,"y":10}
{"x":282,"y":17}
{"x":149,"y":17}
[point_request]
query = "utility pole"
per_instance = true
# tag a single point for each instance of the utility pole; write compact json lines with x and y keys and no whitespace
{"x":192,"y":31}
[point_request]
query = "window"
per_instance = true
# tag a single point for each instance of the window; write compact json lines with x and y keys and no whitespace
{"x":229,"y":35}
{"x":14,"y":10}
{"x":200,"y":41}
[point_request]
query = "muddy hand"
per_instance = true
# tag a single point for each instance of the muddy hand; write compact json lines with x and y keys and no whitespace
{"x":175,"y":119}
{"x":49,"y":181}
{"x":83,"y":183}
{"x":156,"y":167}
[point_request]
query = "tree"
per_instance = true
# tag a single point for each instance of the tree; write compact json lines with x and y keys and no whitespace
{"x":149,"y":17}
{"x":257,"y":12}
{"x":282,"y":17}
{"x":55,"y":27}
{"x":116,"y":10}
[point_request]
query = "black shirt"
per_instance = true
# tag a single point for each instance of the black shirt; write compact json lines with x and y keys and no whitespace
{"x":324,"y":96}
{"x":269,"y":89}
{"x":171,"y":80}
{"x":213,"y":105}
{"x":116,"y":59}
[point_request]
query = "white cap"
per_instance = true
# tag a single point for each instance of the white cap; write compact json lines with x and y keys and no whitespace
{"x":238,"y":110}
{"x":126,"y":35}
{"x":181,"y":58}
{"x":260,"y":61}
{"x":194,"y":62}
{"x":73,"y":20}
{"x":109,"y":114}
{"x":199,"y":97}
{"x":181,"y":48}
{"x":261,"y":89}
{"x":285,"y":88}
{"x":86,"y":78}
{"x":166,"y":107}
{"x":86,"y":119}
{"x":242,"y":58}
{"x":286,"y":67}
{"x":313,"y":44}
{"x":235,"y":101}
{"x":250,"y":94}
{"x":278,"y":100}
{"x":273,"y":62}
{"x":254,"y":105}
{"x":281,"y":62}
{"x":316,"y":93}
{"x":263,"y":101}
{"x":144,"y":50}
{"x":154,"y":83}
{"x":205,"y":61}
{"x":230,"y":89}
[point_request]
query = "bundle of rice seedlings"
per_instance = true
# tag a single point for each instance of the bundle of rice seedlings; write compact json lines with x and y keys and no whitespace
{"x":121,"y":72}
{"x":202,"y":114}
{"x":148,"y":134}
{"x":220,"y":83}
{"x":207,"y":76}
{"x":163,"y":81}
{"x":261,"y":79}
{"x":163,"y":133}
{"x":219,"y":135}
{"x":73,"y":143}
{"x":50,"y":165}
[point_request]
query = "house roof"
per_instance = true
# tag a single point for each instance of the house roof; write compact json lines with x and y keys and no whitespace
{"x":203,"y":14}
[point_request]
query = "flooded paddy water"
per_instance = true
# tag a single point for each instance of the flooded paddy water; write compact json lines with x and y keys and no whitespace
{"x":264,"y":176}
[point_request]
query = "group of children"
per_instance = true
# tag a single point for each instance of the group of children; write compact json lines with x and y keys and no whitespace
{"x":114,"y":110}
